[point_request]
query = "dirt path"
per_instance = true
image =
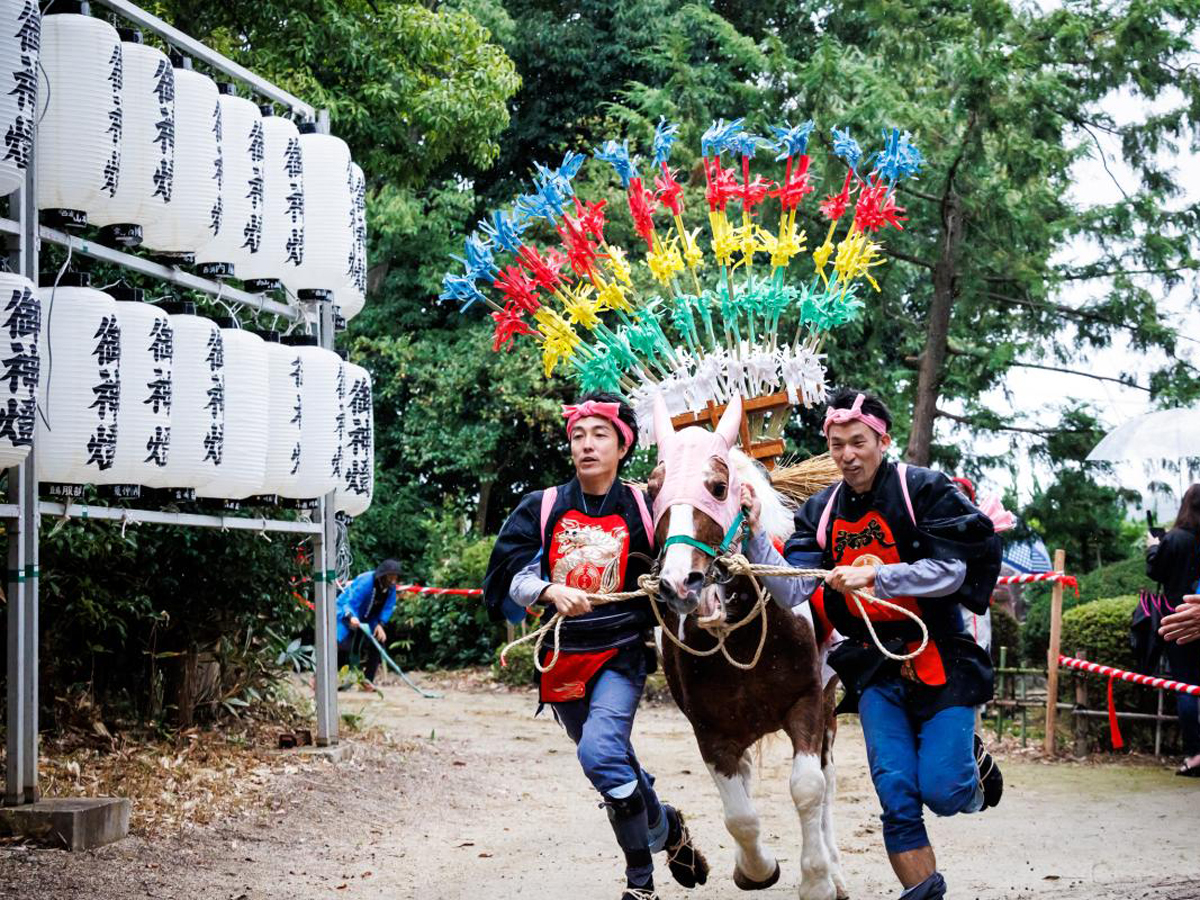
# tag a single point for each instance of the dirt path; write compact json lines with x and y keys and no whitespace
{"x":478,"y":800}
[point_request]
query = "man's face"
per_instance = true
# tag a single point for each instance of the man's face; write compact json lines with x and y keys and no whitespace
{"x":390,"y":580}
{"x":595,"y":448}
{"x":858,"y":452}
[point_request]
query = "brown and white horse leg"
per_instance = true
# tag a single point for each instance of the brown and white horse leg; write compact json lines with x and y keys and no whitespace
{"x":830,"y":772}
{"x":755,"y":867}
{"x":808,"y":793}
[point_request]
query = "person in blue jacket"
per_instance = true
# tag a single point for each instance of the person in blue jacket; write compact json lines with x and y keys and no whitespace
{"x":368,"y":600}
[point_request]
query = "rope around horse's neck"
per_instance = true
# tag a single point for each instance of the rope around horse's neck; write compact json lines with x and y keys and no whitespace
{"x":737,"y":564}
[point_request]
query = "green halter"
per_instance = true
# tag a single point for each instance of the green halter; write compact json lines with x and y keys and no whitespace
{"x":730,"y":536}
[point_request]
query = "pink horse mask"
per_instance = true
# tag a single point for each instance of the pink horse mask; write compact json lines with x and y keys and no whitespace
{"x":687,"y":454}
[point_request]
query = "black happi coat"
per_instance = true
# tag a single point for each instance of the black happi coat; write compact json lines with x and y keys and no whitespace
{"x":520,"y":543}
{"x":947,"y":527}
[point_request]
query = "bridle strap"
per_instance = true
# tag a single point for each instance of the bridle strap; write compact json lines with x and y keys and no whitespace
{"x":715,"y":552}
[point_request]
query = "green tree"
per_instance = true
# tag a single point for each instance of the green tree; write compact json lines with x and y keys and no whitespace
{"x":1004,"y":100}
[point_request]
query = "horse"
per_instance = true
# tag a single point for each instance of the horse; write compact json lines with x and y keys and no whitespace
{"x":695,"y":488}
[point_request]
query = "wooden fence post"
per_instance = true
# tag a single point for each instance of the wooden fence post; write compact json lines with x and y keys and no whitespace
{"x":1081,"y":703}
{"x":1060,"y":562}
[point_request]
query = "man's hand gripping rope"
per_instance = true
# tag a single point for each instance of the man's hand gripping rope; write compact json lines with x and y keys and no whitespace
{"x":734,"y":564}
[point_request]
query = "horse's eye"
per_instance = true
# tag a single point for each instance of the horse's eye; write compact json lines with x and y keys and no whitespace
{"x":718,"y":490}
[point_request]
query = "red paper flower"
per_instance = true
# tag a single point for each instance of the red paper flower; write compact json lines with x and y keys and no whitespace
{"x":591,"y":217}
{"x":835,"y":204}
{"x":518,"y":288}
{"x":796,"y":186}
{"x":642,"y":207}
{"x":668,"y":191}
{"x":546,"y":271}
{"x":876,"y":208}
{"x":508,"y":325}
{"x":581,"y":252}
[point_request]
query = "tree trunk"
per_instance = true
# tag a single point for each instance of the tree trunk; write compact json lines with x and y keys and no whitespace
{"x":481,"y":512}
{"x":937,"y":333}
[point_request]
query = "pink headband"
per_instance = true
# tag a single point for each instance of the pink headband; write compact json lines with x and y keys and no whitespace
{"x":610,"y":411}
{"x":842,"y":416}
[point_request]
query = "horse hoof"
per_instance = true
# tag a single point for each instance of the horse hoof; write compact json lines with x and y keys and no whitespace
{"x":746,"y":884}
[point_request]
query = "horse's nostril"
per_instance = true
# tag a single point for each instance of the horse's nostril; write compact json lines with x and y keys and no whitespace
{"x":694,"y":581}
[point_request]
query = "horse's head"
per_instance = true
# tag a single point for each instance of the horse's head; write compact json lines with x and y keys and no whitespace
{"x":697,"y":498}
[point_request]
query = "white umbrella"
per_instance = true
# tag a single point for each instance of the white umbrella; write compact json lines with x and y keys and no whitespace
{"x":1166,"y":434}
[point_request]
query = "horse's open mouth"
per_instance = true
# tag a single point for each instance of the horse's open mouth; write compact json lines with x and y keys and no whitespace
{"x":710,"y":609}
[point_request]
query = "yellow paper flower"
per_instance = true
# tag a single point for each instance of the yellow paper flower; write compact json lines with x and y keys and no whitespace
{"x":784,"y":246}
{"x":856,"y":256}
{"x":559,"y":338}
{"x":723,"y":241}
{"x":610,"y":295}
{"x":619,"y":266}
{"x":581,"y":307}
{"x":665,"y":261}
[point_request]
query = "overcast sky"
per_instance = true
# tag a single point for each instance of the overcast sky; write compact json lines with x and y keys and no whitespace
{"x":1032,"y":396}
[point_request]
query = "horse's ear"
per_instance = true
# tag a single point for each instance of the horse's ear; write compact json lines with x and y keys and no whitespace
{"x":731,"y":421}
{"x":664,"y":430}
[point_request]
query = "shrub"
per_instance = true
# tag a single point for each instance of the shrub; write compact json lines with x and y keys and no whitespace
{"x":448,"y":631}
{"x":519,"y":671}
{"x":1101,"y":631}
{"x":1006,"y":632}
{"x":1116,"y":580}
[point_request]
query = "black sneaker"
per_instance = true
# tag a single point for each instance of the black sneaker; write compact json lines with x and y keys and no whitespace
{"x":989,"y":775}
{"x":687,"y":864}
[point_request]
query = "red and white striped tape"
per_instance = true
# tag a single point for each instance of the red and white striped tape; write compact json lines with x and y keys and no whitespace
{"x":453,"y":592}
{"x":1067,"y":580}
{"x":1149,"y":681}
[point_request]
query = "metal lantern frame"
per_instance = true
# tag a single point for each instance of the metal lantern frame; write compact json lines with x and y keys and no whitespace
{"x":24,"y":508}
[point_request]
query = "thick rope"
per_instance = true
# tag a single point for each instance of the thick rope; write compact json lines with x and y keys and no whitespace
{"x":736,"y":564}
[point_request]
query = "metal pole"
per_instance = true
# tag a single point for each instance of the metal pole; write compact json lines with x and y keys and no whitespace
{"x":324,"y":550}
{"x":30,"y":519}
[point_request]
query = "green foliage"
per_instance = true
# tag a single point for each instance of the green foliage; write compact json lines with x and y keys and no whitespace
{"x":519,"y":671}
{"x":1035,"y":632}
{"x":448,"y":631}
{"x":1117,"y":579}
{"x":127,"y":631}
{"x":1085,"y":518}
{"x":1100,"y":630}
{"x":1006,"y":632}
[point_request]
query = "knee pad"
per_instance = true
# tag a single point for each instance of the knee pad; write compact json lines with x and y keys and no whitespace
{"x":625,"y":807}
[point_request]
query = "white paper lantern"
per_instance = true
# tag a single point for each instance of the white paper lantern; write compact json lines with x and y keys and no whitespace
{"x":247,"y":399}
{"x":21,"y":323}
{"x":79,"y":119}
{"x":358,"y":443}
{"x":145,"y":184}
{"x":239,"y":235}
{"x":198,"y":405}
{"x":20,"y":37}
{"x":351,"y":296}
{"x":80,"y":392}
{"x":285,"y":413}
{"x":328,"y":232}
{"x":320,"y":467}
{"x":144,"y":420}
{"x":282,"y":243}
{"x":189,"y":219}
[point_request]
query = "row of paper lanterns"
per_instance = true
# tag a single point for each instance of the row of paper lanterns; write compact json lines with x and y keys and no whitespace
{"x":124,"y":392}
{"x":162,"y":155}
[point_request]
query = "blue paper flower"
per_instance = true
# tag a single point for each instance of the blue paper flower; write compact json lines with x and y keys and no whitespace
{"x":477,"y":258}
{"x":461,"y":289}
{"x":617,"y":155}
{"x":716,"y":140}
{"x":791,"y":141}
{"x":847,"y":148}
{"x":504,"y":230}
{"x":745,"y":144}
{"x":899,"y":157}
{"x":665,"y":137}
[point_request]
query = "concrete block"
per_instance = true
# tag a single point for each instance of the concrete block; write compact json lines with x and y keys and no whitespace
{"x":72,"y":823}
{"x":341,"y":752}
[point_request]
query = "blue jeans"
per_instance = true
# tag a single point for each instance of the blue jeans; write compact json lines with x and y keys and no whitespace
{"x":917,"y":762}
{"x":601,"y":723}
